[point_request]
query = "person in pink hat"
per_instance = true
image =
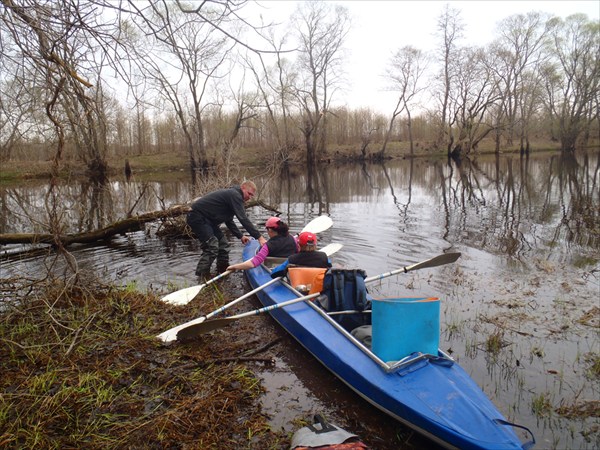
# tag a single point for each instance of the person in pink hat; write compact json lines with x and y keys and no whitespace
{"x":280,"y":244}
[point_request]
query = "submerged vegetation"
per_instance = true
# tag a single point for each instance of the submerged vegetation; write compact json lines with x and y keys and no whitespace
{"x":541,"y":404}
{"x":82,"y":368}
{"x":494,"y":343}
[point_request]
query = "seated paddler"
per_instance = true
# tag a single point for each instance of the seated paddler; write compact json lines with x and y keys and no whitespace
{"x":308,"y":256}
{"x":281,"y":244}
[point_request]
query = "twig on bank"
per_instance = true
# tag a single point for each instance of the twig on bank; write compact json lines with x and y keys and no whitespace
{"x":264,"y":347}
{"x":78,"y":332}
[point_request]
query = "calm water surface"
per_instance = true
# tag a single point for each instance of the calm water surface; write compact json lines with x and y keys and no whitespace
{"x":529,"y":275}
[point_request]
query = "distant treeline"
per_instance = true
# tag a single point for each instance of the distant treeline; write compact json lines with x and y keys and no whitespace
{"x":95,"y":79}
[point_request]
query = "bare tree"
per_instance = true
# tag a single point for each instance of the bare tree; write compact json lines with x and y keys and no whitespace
{"x":322,"y":29}
{"x":18,"y":103}
{"x":573,"y":80}
{"x":181,"y":56}
{"x":275,"y":84}
{"x":450,"y":28}
{"x":474,"y":93}
{"x":243,"y":107}
{"x":64,"y":45}
{"x":516,"y":63}
{"x":405,"y":69}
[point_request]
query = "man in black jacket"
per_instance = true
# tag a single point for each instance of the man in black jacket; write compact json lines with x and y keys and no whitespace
{"x":209,"y":212}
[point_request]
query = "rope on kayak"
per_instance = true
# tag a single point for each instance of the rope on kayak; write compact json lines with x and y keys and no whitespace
{"x":526,"y":445}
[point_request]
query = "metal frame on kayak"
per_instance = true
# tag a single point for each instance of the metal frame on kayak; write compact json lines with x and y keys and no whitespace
{"x":389,"y":368}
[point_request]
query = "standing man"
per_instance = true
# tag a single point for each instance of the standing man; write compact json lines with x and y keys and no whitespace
{"x":209,"y":212}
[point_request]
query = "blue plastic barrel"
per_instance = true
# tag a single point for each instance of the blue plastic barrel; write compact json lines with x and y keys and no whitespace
{"x":402,"y":326}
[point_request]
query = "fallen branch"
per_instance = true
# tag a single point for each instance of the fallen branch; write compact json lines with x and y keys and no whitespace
{"x":263,"y":348}
{"x":123,"y":226}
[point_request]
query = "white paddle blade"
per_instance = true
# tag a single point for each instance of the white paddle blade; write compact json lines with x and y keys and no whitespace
{"x":330,"y":249}
{"x":171,"y":334}
{"x":319,"y":224}
{"x":182,"y":296}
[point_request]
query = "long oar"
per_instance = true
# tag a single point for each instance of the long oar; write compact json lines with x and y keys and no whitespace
{"x":171,"y":334}
{"x":191,"y":330}
{"x":186,"y":295}
{"x":200,"y":326}
{"x":440,"y":260}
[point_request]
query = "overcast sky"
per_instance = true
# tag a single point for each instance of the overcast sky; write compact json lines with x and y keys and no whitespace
{"x":381,"y":27}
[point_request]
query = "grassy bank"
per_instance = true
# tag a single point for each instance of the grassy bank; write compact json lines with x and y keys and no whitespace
{"x":81,"y":368}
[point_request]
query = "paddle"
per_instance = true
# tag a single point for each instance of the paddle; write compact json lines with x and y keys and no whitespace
{"x":318,"y":224}
{"x":171,"y":334}
{"x":332,"y":248}
{"x":440,"y":260}
{"x":191,"y":330}
{"x":186,"y":295}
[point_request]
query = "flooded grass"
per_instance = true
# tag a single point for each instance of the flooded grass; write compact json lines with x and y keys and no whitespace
{"x":541,"y":405}
{"x":536,"y":339}
{"x":542,"y":299}
{"x":81,"y":367}
{"x":594,"y":360}
{"x":494,"y":343}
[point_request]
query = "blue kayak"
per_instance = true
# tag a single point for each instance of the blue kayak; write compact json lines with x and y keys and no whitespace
{"x":431,"y":394}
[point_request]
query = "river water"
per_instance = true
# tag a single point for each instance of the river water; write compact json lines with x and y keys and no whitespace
{"x":520,"y":308}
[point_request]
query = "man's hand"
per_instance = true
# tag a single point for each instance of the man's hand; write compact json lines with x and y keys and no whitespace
{"x":245,"y":239}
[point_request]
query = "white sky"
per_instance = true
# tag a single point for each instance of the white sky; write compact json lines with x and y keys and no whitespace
{"x":381,"y":27}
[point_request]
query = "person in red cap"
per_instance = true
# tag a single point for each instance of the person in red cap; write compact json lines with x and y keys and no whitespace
{"x":280,"y":244}
{"x":308,"y":256}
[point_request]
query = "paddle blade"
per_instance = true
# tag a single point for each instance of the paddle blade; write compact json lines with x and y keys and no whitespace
{"x":183,"y":296}
{"x":330,"y":249}
{"x":319,"y":224}
{"x":191,"y":331}
{"x":440,"y":260}
{"x":171,"y":334}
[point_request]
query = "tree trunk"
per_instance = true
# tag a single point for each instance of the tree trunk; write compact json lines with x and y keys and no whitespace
{"x":410,"y":136}
{"x":120,"y":227}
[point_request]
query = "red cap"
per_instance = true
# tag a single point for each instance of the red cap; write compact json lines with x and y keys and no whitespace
{"x":272,"y":222}
{"x":307,"y":238}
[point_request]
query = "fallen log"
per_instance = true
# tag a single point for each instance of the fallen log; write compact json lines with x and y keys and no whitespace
{"x":122,"y":226}
{"x":127,"y":225}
